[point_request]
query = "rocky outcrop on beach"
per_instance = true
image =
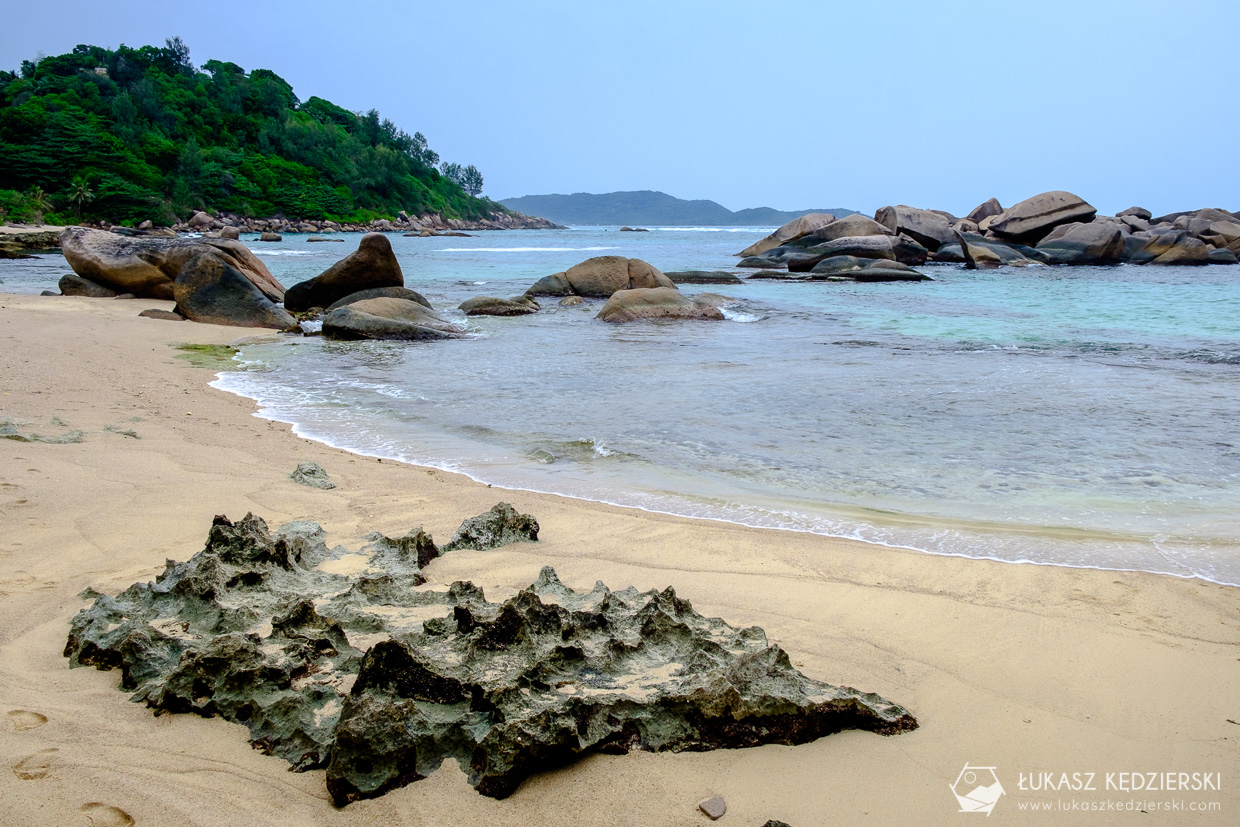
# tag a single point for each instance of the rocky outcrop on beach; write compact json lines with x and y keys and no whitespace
{"x":371,"y":265}
{"x":660,"y":303}
{"x":71,"y":284}
{"x":148,"y":267}
{"x":599,"y":277}
{"x":209,"y":289}
{"x":380,"y":682}
{"x":311,"y":475}
{"x":22,"y":241}
{"x":388,"y":318}
{"x":501,"y":526}
{"x":1051,"y":228}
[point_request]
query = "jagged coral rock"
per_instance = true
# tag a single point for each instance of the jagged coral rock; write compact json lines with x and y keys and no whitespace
{"x":379,"y":681}
{"x":498,"y":527}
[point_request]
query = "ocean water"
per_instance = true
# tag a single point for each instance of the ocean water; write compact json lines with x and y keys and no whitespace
{"x":1072,"y":416}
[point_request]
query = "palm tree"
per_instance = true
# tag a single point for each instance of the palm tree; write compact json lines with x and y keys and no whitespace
{"x":38,"y":198}
{"x":80,"y":194}
{"x":38,"y":201}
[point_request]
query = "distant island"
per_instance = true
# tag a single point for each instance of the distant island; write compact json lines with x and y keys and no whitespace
{"x":132,"y":134}
{"x":649,"y":207}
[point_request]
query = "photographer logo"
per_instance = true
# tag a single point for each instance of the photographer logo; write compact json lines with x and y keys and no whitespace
{"x":977,"y":789}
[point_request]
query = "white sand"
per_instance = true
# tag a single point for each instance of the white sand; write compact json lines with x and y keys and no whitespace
{"x":1024,"y":668}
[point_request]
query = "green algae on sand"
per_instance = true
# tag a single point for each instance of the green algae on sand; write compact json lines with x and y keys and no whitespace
{"x":212,"y":357}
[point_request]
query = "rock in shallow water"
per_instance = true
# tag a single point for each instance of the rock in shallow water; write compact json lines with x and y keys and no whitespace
{"x":660,"y":303}
{"x":257,"y":629}
{"x":371,"y":265}
{"x":387,"y":318}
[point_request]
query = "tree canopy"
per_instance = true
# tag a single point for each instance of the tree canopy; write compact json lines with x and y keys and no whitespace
{"x":130,"y":134}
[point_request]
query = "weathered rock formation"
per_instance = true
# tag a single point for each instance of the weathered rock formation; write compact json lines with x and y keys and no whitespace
{"x":500,"y":526}
{"x":1100,"y":242}
{"x":1032,"y":219}
{"x":660,"y":303}
{"x":372,"y":265}
{"x":987,"y":209}
{"x":386,"y":318}
{"x":380,"y":682}
{"x":599,"y":277}
{"x":981,"y":253}
{"x":147,"y":267}
{"x":929,"y":229}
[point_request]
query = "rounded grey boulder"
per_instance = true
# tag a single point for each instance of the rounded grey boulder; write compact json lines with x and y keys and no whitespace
{"x":601,"y":276}
{"x":72,"y":284}
{"x":382,"y":293}
{"x":493,"y":306}
{"x":397,"y":319}
{"x":659,"y":303}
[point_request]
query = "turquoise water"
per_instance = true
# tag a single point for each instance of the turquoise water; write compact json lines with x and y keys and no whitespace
{"x":1083,"y":416}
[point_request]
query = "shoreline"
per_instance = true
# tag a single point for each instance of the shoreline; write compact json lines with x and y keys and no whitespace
{"x":1021,"y":667}
{"x":295,"y":429}
{"x":880,"y":520}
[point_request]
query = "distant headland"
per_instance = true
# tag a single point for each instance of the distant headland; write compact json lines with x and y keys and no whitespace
{"x":650,"y":207}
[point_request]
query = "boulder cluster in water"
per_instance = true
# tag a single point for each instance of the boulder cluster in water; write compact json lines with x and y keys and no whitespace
{"x":1051,"y":228}
{"x":377,"y":679}
{"x":220,"y":281}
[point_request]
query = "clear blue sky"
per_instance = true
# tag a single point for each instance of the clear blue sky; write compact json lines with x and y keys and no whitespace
{"x":790,"y":105}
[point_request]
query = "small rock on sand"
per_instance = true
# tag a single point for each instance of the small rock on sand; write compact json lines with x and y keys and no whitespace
{"x":714,"y":807}
{"x":311,"y":474}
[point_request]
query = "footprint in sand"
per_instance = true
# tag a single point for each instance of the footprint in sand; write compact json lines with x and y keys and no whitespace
{"x":35,"y":766}
{"x":24,"y":719}
{"x":105,"y":815}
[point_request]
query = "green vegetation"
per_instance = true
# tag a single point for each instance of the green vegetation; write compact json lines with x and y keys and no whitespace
{"x":131,"y":134}
{"x":212,"y":357}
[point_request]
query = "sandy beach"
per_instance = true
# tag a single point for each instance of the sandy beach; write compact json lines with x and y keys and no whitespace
{"x":1027,"y":669}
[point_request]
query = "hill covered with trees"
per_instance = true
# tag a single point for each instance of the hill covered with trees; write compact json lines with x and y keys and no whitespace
{"x":649,"y":207}
{"x":130,"y":134}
